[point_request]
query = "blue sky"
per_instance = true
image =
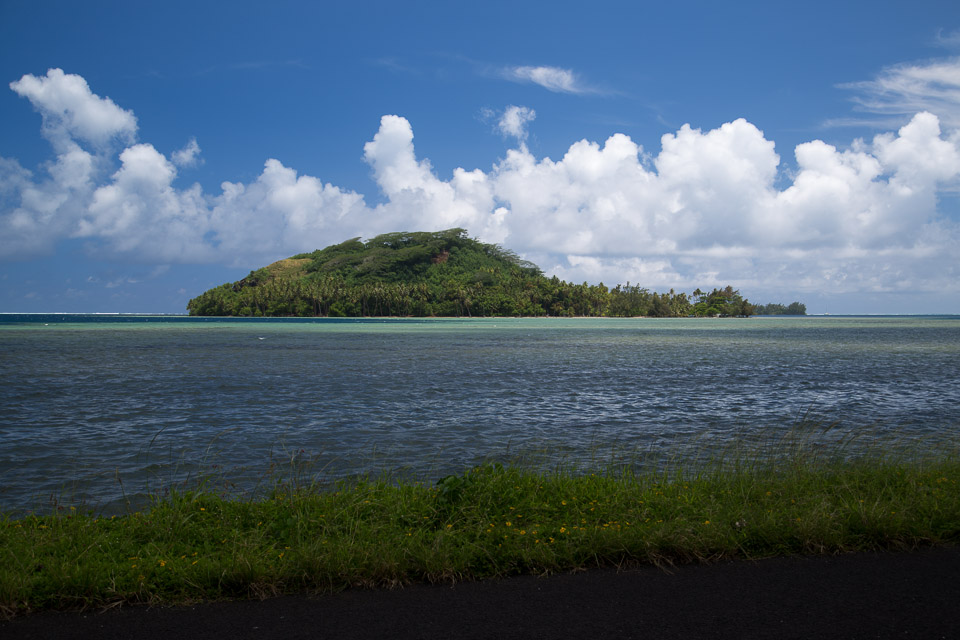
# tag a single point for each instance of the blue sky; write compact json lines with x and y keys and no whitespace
{"x":149,"y":151}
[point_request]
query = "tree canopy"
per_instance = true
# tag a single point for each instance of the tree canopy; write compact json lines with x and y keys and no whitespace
{"x":776,"y":309}
{"x":443,"y":273}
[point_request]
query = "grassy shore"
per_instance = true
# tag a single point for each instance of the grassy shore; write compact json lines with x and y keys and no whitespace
{"x":490,"y":521}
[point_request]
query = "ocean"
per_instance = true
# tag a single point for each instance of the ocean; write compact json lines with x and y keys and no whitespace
{"x":106,"y":410}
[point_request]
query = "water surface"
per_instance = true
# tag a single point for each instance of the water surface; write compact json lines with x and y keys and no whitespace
{"x":92,"y":402}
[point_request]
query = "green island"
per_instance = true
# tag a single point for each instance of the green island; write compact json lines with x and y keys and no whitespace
{"x":449,"y":274}
{"x":197,"y":544}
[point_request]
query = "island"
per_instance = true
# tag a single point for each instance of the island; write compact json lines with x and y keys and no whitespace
{"x":441,"y":274}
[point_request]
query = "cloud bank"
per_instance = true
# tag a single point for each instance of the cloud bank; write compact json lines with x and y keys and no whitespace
{"x":705,"y":210}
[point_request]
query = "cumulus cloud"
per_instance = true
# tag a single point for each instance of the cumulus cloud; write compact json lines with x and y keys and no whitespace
{"x":187,"y":157}
{"x":69,"y":108}
{"x":418,"y":198}
{"x":514,"y":121}
{"x":279,"y":214}
{"x":551,"y":78}
{"x":705,"y":209}
{"x":140,"y":212}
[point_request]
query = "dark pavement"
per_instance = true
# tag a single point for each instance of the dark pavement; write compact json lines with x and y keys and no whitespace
{"x":876,"y":595}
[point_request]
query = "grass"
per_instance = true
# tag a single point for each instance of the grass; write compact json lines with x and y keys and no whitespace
{"x":490,"y":521}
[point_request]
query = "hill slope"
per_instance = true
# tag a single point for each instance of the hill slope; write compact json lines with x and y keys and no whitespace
{"x":444,"y":273}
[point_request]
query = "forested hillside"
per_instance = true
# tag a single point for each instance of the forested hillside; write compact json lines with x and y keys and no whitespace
{"x":443,"y":273}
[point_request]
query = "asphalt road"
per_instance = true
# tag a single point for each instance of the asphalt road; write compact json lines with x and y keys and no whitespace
{"x":876,"y":595}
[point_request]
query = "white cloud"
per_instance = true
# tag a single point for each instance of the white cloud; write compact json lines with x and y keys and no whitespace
{"x":703,"y":211}
{"x":514,"y":121}
{"x":280,"y":214}
{"x":417,"y":198}
{"x":140,"y":212}
{"x":906,"y":89}
{"x":36,"y":214}
{"x":187,"y":157}
{"x":551,"y":78}
{"x":69,"y":108}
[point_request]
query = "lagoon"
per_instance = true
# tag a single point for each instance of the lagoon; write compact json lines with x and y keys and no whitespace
{"x":101,"y":409}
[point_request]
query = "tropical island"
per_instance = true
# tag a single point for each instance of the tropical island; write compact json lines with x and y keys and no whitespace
{"x":448,"y":274}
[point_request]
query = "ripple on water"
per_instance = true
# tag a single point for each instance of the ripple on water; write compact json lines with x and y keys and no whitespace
{"x":85,"y":404}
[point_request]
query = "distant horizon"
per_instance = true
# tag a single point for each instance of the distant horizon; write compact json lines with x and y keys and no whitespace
{"x":268,"y":318}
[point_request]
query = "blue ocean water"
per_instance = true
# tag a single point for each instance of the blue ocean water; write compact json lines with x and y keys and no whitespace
{"x":99,"y":409}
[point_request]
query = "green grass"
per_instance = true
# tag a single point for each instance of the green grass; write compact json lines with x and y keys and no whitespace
{"x":490,"y":521}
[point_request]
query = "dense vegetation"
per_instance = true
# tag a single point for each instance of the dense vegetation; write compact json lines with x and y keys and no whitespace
{"x":775,"y":309}
{"x":490,"y":521}
{"x":445,"y":273}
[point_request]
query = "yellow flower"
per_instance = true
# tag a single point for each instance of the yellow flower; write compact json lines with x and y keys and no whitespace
{"x":563,"y":529}
{"x":563,"y":502}
{"x":508,"y":524}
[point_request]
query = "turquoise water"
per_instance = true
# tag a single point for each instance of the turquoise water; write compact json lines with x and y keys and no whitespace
{"x":98,"y":407}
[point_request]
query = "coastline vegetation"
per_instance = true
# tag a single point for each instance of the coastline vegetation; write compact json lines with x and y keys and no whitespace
{"x":491,"y":521}
{"x":444,"y":273}
{"x":776,"y":309}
